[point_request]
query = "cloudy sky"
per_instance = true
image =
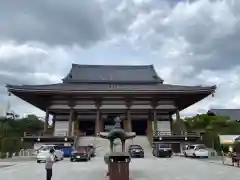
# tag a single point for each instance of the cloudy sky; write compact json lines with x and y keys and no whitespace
{"x":194,"y":42}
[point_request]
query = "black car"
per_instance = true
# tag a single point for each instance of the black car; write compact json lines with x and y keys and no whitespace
{"x":162,"y":150}
{"x":136,"y":151}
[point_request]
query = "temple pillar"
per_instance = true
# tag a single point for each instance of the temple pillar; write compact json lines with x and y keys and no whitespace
{"x":46,"y":121}
{"x":76,"y":124}
{"x":149,"y":127}
{"x":178,"y":119}
{"x":70,"y":127}
{"x":155,"y":128}
{"x":129,"y":121}
{"x":53,"y":124}
{"x":171,"y":123}
{"x":101,"y":123}
{"x":97,"y":122}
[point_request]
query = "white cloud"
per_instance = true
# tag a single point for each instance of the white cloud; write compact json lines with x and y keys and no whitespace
{"x":189,"y":42}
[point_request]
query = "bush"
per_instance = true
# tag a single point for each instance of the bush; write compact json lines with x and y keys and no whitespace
{"x":10,"y":144}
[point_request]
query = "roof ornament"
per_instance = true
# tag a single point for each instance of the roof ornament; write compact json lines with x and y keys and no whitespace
{"x":213,"y":94}
{"x":214,"y":90}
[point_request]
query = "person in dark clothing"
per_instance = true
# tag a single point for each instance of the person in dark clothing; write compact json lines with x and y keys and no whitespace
{"x":49,"y":164}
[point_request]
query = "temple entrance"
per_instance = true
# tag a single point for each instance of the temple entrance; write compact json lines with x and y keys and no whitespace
{"x":139,"y":127}
{"x":87,"y":127}
{"x":176,"y":147}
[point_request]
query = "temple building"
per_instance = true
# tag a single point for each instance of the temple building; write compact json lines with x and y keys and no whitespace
{"x":91,"y":96}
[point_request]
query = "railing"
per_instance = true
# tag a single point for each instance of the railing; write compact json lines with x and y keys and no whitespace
{"x":28,"y":134}
{"x":21,"y":153}
{"x":61,"y":133}
{"x":169,"y":133}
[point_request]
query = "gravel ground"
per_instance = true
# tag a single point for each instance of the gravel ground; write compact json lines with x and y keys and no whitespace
{"x":149,"y":168}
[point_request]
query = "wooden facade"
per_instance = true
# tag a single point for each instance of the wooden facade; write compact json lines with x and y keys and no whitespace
{"x":93,"y":93}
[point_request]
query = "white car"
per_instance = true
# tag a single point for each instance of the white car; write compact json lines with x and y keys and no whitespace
{"x":196,"y":150}
{"x":43,"y":153}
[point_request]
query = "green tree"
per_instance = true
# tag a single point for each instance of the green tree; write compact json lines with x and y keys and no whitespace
{"x":11,"y":131}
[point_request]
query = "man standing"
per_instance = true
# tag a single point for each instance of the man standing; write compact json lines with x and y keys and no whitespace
{"x":49,"y":164}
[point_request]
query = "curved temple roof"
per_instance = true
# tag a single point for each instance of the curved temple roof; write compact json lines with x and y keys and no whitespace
{"x":74,"y":87}
{"x":112,"y":73}
{"x":97,"y":79}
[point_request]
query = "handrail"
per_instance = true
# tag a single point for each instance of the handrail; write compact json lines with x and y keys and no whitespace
{"x":27,"y":134}
{"x":169,"y":133}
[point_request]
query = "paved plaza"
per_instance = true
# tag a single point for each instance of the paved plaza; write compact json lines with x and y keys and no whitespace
{"x":150,"y":168}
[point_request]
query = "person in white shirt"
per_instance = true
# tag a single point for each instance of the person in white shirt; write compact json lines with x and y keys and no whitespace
{"x":49,"y":164}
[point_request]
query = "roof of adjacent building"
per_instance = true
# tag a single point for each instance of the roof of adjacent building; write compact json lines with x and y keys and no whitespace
{"x":233,"y":114}
{"x":112,"y":73}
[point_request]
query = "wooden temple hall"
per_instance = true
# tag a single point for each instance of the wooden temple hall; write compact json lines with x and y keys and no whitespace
{"x":91,"y":96}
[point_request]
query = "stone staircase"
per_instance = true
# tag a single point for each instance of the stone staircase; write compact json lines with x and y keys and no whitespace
{"x":86,"y":140}
{"x":103,"y":145}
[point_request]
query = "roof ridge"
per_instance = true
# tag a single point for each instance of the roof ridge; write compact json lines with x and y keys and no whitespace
{"x":110,"y":66}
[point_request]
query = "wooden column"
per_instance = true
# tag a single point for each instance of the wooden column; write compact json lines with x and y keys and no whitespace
{"x":129,"y":121}
{"x":171,"y":123}
{"x":46,"y":121}
{"x":71,"y":116}
{"x":76,"y":124}
{"x":98,"y":117}
{"x":179,"y":122}
{"x":149,"y":127}
{"x":53,"y":124}
{"x":154,"y":119}
{"x":97,"y":122}
{"x":101,"y":123}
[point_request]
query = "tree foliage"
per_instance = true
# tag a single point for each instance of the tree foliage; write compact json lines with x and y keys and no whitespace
{"x":11,"y":131}
{"x":211,"y":126}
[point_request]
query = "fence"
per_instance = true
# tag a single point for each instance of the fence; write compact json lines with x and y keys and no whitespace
{"x":169,"y":133}
{"x":21,"y":153}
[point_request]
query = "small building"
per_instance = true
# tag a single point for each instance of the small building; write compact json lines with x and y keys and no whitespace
{"x":232,"y":114}
{"x":91,"y":96}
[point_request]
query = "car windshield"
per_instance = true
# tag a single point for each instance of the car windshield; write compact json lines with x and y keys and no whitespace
{"x":191,"y":147}
{"x":164,"y":145}
{"x":201,"y":146}
{"x":45,"y":148}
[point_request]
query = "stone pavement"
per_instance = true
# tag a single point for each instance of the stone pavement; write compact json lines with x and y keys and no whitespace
{"x":150,"y":168}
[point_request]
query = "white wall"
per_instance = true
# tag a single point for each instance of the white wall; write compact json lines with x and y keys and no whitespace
{"x":61,"y":128}
{"x":163,"y":126}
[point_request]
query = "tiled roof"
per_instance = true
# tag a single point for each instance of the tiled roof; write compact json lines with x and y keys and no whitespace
{"x":233,"y":114}
{"x":112,"y":73}
{"x":109,"y":87}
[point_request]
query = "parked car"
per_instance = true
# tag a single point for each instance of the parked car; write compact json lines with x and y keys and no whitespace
{"x":92,"y":150}
{"x":162,"y":150}
{"x":136,"y":151}
{"x":43,"y":153}
{"x":81,"y":153}
{"x":67,"y":151}
{"x":196,"y":150}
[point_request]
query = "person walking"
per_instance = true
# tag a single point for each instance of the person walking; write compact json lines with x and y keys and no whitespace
{"x":49,"y":164}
